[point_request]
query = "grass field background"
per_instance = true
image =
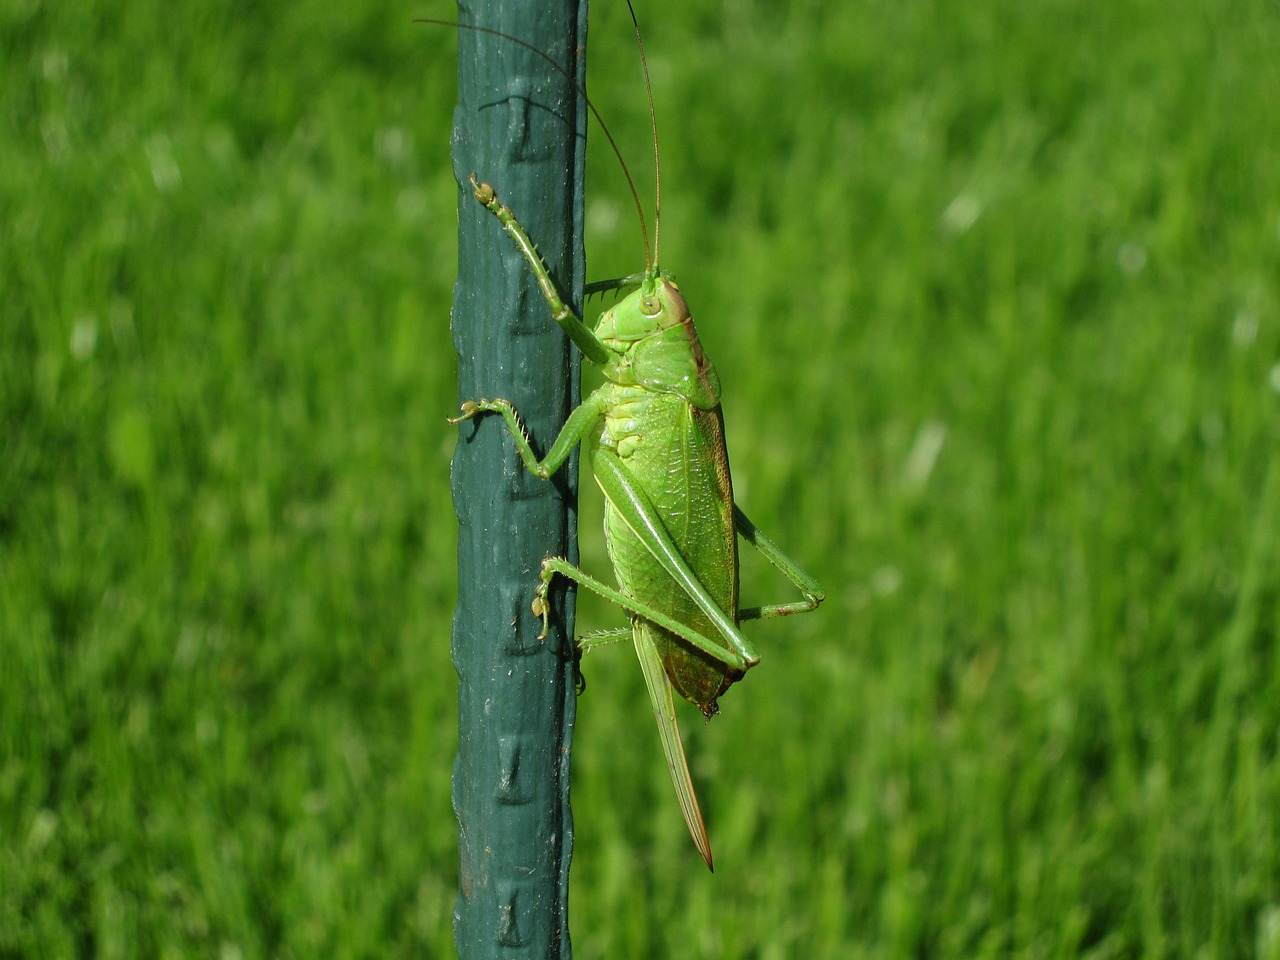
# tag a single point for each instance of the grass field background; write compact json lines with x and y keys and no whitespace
{"x":994,"y":291}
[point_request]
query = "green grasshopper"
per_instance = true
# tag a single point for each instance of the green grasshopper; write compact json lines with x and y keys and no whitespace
{"x":654,"y":435}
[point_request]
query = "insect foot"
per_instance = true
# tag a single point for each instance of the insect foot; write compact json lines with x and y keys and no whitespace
{"x":482,"y":191}
{"x":541,"y":605}
{"x":542,"y":608}
{"x":469,"y":409}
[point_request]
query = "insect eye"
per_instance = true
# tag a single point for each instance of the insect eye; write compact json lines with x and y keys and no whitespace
{"x":650,"y":306}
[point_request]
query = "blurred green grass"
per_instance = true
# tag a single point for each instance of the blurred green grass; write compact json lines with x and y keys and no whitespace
{"x":993,"y":289}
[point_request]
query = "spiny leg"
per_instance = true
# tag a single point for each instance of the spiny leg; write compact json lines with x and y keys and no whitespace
{"x":569,"y":321}
{"x":598,"y":638}
{"x":542,"y":608}
{"x":579,"y":424}
{"x":813,"y":592}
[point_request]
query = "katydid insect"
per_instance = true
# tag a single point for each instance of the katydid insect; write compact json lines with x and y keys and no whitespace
{"x":654,"y":437}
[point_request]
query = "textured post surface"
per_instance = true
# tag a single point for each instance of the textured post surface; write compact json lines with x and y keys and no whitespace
{"x":519,"y":126}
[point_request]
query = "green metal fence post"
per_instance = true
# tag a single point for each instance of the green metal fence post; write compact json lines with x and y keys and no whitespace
{"x":520,"y":126}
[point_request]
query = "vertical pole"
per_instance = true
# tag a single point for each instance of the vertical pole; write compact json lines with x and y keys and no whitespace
{"x":520,"y":126}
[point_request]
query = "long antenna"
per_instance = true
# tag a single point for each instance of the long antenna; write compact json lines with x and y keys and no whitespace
{"x":653,"y":123}
{"x":649,"y":260}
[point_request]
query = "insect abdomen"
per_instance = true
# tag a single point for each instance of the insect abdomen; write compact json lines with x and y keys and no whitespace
{"x":676,"y":454}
